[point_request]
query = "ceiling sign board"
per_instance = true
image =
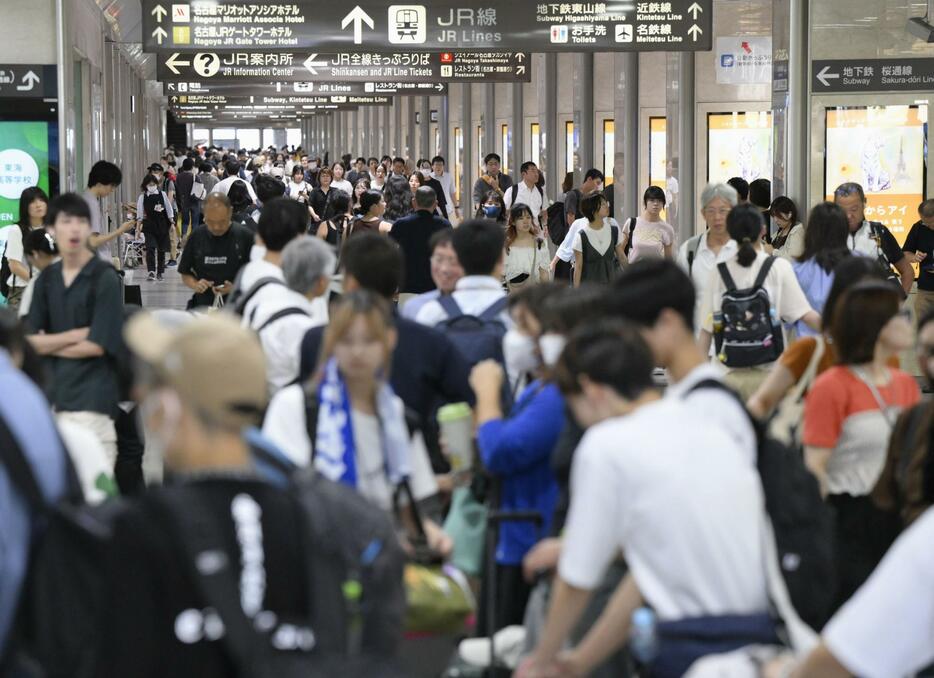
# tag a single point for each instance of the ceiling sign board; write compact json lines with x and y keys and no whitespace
{"x":306,"y":88}
{"x":611,"y":25}
{"x":290,"y":100}
{"x":242,"y":67}
{"x":872,"y":75}
{"x":28,"y":81}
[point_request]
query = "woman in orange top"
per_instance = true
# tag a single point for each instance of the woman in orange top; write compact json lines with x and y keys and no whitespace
{"x":794,"y":362}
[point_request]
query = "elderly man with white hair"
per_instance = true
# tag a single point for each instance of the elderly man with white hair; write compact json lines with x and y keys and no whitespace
{"x":287,"y":312}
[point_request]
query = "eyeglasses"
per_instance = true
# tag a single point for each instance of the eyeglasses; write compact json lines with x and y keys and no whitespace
{"x":710,"y":212}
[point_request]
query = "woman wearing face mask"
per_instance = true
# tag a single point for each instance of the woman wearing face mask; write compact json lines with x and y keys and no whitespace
{"x":157,"y":216}
{"x":527,"y":261}
{"x":361,"y":436}
{"x":493,"y":208}
{"x":516,"y":450}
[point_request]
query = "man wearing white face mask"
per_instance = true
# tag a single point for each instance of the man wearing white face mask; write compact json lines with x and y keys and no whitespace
{"x":517,"y":449}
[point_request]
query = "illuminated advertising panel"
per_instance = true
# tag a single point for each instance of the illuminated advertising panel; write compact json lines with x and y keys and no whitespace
{"x":739,"y":144}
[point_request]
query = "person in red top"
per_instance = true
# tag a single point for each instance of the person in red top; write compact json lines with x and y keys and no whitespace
{"x":848,"y":419}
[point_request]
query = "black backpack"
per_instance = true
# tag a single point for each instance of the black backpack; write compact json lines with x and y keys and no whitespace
{"x":477,"y":337}
{"x":745,"y":331}
{"x":5,"y":273}
{"x":367,"y":554}
{"x":802,"y":522}
{"x":54,"y":633}
{"x":557,"y":223}
{"x":632,"y":230}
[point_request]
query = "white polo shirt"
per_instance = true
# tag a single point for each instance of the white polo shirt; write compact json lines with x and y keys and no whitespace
{"x":224,"y":185}
{"x":533,"y":197}
{"x":447,"y":184}
{"x":886,"y":628}
{"x":687,"y":516}
{"x":705,"y":261}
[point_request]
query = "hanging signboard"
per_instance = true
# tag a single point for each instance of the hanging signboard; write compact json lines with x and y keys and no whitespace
{"x":28,"y":81}
{"x":306,"y":88}
{"x":872,"y":75}
{"x":610,"y":25}
{"x":291,"y":101}
{"x":210,"y":67}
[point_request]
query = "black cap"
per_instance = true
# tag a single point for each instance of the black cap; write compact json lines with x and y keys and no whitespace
{"x":156,"y":167}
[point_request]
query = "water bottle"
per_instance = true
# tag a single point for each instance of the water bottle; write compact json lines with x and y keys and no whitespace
{"x":643,"y":640}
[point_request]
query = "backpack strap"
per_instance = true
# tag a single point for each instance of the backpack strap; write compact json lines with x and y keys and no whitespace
{"x":693,"y":248}
{"x":311,"y":416}
{"x":494,"y":309}
{"x":18,"y":469}
{"x":716,"y":384}
{"x":451,"y":307}
{"x":763,"y":273}
{"x":514,"y":192}
{"x":278,"y":315}
{"x":250,"y":293}
{"x":726,"y":277}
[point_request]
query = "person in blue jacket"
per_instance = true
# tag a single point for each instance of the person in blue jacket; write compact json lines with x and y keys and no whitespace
{"x":516,"y":450}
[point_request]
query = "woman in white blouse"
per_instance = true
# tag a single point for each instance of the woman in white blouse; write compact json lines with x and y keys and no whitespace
{"x":527,"y":256}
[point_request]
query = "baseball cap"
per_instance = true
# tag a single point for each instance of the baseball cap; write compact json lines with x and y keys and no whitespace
{"x":214,"y":364}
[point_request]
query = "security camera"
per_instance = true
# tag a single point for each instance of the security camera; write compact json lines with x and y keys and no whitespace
{"x":921,"y":29}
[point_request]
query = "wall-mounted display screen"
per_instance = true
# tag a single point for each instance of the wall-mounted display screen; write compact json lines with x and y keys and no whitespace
{"x":739,"y":144}
{"x":658,"y":163}
{"x":882,"y":148}
{"x":24,"y":162}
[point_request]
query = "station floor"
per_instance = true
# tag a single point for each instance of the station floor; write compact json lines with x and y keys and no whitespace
{"x":169,"y":293}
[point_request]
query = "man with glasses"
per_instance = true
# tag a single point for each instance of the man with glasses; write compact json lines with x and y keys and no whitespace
{"x":873,"y":239}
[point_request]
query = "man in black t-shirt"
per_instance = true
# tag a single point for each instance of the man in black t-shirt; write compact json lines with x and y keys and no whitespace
{"x":215,"y":253}
{"x":919,"y":246}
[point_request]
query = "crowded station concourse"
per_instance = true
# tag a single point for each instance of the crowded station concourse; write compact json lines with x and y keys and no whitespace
{"x":545,"y":340}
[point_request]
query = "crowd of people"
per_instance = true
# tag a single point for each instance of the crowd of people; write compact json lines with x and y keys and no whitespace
{"x":381,"y":422}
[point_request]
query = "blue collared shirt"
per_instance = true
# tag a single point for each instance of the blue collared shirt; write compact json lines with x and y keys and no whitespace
{"x":27,"y":414}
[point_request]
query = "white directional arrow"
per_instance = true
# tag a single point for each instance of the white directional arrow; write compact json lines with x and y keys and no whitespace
{"x":825,"y":76}
{"x":358,"y":17}
{"x":171,"y":86}
{"x":520,"y":70}
{"x":520,"y":57}
{"x":310,"y":64}
{"x":695,"y":9}
{"x":173,"y":61}
{"x":440,"y":87}
{"x":159,"y":12}
{"x":159,"y":34}
{"x":30,"y":80}
{"x":694,"y":31}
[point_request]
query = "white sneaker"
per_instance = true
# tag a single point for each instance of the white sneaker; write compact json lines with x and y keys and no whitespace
{"x":509,"y":643}
{"x":151,"y":277}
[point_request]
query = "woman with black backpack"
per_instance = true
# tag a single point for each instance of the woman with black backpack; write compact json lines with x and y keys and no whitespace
{"x":16,"y":271}
{"x":748,"y":298}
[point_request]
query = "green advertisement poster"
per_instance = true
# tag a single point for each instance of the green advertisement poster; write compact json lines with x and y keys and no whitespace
{"x":24,"y":162}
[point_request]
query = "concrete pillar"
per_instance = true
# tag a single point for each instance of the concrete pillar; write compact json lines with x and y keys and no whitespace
{"x":547,"y":76}
{"x":517,"y":127}
{"x":469,"y":170}
{"x":424,"y":129}
{"x":583,"y":115}
{"x":626,"y":139}
{"x":384,"y":132}
{"x":790,"y":98}
{"x":410,"y":140}
{"x":489,"y":118}
{"x":397,"y":146}
{"x":680,"y":101}
{"x":444,"y":125}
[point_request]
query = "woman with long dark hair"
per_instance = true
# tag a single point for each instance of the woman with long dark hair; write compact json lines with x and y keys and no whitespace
{"x":824,"y":247}
{"x":527,"y":258}
{"x":788,"y":241}
{"x":33,"y":205}
{"x":399,"y":196}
